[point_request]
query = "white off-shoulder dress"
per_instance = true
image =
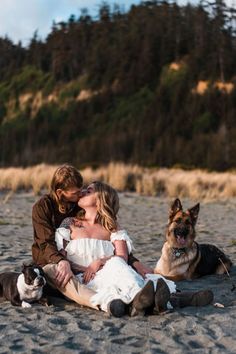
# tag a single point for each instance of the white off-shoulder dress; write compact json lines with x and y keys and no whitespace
{"x":116,"y":280}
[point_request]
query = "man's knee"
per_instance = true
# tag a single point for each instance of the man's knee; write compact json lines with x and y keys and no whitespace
{"x":50,"y":270}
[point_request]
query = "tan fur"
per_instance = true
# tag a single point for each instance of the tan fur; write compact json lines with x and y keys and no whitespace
{"x":180,"y":253}
{"x":177,"y":268}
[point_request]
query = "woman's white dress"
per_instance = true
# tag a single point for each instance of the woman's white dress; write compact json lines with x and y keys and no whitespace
{"x":116,"y":280}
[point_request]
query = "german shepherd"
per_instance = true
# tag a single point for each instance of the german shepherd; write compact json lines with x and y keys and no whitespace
{"x":182,"y":257}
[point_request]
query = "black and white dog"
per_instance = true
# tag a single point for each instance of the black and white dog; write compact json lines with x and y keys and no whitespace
{"x":21,"y":289}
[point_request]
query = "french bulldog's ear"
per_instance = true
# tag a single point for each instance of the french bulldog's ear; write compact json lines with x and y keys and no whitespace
{"x":23,"y":267}
{"x":193,"y":212}
{"x":175,"y":207}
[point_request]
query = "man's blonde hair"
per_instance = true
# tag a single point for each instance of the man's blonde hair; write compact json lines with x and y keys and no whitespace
{"x":65,"y":177}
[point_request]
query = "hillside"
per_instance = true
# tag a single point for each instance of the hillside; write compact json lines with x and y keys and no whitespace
{"x":154,"y":86}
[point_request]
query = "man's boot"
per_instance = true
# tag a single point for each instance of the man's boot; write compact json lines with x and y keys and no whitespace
{"x":199,"y":298}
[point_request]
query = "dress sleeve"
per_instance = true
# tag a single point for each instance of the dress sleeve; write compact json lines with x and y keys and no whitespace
{"x":122,"y":235}
{"x":61,"y":234}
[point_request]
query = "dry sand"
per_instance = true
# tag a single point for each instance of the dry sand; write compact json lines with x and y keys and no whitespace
{"x":69,"y":328}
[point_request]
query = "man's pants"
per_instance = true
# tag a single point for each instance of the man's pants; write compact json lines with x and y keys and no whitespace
{"x":73,"y":290}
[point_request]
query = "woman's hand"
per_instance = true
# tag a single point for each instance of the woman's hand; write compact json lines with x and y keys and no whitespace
{"x":92,"y":269}
{"x":142,"y":269}
{"x":63,"y":273}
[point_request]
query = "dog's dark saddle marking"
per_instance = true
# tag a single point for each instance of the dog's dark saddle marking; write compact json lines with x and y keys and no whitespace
{"x":210,"y":259}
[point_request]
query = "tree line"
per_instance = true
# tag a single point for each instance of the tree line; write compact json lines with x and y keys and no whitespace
{"x":143,"y":110}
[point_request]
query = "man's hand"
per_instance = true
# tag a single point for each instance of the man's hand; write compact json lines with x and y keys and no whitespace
{"x":63,"y":274}
{"x":92,"y":269}
{"x":142,"y":269}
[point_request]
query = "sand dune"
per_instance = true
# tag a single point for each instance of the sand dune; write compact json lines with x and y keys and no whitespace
{"x":69,"y":328}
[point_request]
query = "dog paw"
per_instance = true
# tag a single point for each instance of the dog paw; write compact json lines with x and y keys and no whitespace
{"x":25,"y":304}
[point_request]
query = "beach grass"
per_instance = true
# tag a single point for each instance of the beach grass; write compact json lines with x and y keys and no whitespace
{"x":172,"y":183}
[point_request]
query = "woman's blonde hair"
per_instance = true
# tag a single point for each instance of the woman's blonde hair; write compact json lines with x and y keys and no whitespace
{"x":65,"y":177}
{"x":107,"y":205}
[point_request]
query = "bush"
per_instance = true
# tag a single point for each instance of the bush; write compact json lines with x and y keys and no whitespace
{"x":30,"y":79}
{"x":203,"y":123}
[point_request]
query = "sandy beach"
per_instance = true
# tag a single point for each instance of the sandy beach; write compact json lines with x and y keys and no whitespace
{"x":70,"y":328}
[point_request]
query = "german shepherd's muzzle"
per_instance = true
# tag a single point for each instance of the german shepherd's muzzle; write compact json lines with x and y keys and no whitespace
{"x":182,"y":257}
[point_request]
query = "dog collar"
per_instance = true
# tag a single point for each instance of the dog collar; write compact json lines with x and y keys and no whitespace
{"x":177,"y":252}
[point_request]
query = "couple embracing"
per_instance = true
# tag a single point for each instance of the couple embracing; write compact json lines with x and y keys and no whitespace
{"x":87,"y":255}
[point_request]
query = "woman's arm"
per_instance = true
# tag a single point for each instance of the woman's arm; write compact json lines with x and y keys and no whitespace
{"x":134,"y":262}
{"x":92,"y":269}
{"x":141,"y":268}
{"x":121,"y":249}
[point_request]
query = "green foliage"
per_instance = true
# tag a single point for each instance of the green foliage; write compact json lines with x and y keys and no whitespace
{"x":4,"y":92}
{"x":203,"y":123}
{"x":142,"y":109}
{"x":30,"y":79}
{"x":130,"y":108}
{"x":2,"y":112}
{"x":71,"y":90}
{"x":170,"y":78}
{"x":49,"y":85}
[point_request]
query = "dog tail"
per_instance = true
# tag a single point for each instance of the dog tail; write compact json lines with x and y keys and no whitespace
{"x":224,"y":264}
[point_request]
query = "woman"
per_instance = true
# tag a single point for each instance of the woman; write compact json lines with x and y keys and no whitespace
{"x":100,"y":249}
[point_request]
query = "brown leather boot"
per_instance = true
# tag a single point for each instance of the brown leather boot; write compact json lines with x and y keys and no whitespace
{"x":162,"y":296}
{"x":199,"y":298}
{"x":143,"y":300}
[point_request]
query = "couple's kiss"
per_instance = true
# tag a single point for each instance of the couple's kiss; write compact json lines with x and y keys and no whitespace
{"x":88,"y":257}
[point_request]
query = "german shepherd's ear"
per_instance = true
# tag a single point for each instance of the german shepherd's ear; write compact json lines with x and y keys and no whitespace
{"x":175,"y":207}
{"x":193,"y":212}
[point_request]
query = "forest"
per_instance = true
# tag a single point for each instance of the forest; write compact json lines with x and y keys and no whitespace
{"x":154,"y":86}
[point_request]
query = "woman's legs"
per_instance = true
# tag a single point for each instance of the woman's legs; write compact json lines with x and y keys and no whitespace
{"x":116,"y":280}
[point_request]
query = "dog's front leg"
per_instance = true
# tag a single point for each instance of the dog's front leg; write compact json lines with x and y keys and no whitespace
{"x":25,"y":304}
{"x":15,"y":301}
{"x":44,"y":301}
